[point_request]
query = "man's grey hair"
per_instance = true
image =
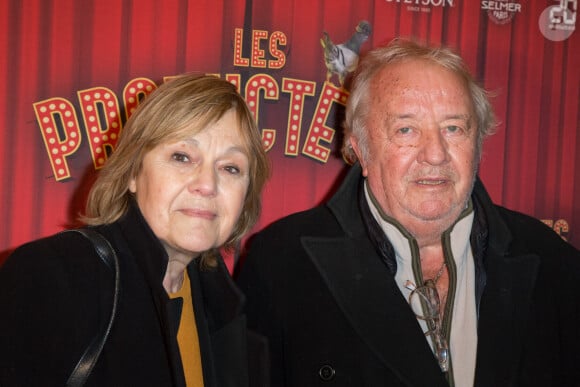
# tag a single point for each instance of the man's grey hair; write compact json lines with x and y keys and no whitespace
{"x":397,"y":51}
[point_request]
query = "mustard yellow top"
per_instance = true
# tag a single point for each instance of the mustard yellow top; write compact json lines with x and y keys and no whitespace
{"x":187,"y":337}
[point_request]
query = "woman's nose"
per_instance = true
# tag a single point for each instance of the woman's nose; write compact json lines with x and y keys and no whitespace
{"x":204,"y":181}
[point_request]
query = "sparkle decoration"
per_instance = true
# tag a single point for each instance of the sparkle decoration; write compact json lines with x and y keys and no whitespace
{"x":60,"y":131}
{"x":268,"y":85}
{"x":319,"y":131}
{"x":134,"y":92}
{"x":100,"y":110}
{"x":298,"y":89}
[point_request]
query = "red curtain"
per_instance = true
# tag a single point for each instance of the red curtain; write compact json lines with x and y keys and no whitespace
{"x":60,"y":51}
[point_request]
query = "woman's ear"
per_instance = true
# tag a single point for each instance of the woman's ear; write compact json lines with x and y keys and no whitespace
{"x":133,"y":185}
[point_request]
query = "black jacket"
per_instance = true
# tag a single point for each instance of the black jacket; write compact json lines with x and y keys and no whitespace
{"x":322,"y":292}
{"x":55,"y":292}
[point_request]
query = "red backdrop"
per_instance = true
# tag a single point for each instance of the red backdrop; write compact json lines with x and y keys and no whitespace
{"x":71,"y":72}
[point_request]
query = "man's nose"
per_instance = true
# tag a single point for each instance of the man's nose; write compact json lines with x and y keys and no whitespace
{"x":433,"y":148}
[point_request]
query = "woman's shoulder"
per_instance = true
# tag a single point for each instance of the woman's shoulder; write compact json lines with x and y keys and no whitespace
{"x":54,"y":290}
{"x":38,"y":251}
{"x":58,"y":258}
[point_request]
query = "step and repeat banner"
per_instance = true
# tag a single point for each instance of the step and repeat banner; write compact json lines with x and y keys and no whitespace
{"x":72,"y":72}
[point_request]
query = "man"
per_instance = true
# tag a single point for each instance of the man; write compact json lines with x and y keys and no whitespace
{"x":410,"y":275}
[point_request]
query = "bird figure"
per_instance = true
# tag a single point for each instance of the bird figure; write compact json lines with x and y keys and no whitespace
{"x":342,"y":59}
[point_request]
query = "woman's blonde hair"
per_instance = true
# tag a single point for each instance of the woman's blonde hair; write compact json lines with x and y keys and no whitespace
{"x":180,"y":107}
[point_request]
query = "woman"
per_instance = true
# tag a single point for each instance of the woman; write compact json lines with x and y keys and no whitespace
{"x":184,"y":182}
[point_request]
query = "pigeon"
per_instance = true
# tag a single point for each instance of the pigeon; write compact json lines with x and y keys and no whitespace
{"x":342,"y":59}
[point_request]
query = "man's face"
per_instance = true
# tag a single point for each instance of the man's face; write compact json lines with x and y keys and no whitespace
{"x":421,"y":144}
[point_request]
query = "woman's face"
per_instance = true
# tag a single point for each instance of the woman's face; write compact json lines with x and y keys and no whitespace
{"x":191,"y":192}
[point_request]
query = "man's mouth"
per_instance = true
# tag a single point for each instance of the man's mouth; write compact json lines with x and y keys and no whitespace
{"x":431,"y":181}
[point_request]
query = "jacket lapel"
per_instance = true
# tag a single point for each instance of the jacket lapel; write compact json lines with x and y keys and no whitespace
{"x":366,"y":292}
{"x":505,"y":303}
{"x":171,"y":312}
{"x":371,"y":301}
{"x":373,"y":304}
{"x":150,"y":257}
{"x":226,"y":339}
{"x":504,"y":309}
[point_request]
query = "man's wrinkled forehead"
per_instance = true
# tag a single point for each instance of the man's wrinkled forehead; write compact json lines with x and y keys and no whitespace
{"x":408,"y":78}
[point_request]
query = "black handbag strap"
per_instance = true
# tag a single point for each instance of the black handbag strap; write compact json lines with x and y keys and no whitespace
{"x":89,"y":358}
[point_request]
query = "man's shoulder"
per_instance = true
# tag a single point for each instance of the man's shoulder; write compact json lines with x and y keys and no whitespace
{"x":286,"y":234}
{"x":307,"y":220}
{"x":530,"y":233}
{"x":524,"y":224}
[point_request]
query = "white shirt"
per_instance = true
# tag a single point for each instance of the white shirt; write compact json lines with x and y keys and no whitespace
{"x":461,"y":269}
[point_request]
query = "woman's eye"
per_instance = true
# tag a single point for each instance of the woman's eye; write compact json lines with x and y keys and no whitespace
{"x":180,"y":157}
{"x":232,"y":169}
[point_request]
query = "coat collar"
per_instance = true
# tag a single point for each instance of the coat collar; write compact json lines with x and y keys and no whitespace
{"x":136,"y":241}
{"x":366,"y":292}
{"x":222,"y":298}
{"x":369,"y":298}
{"x":141,"y":243}
{"x":506,"y":300}
{"x":217,"y":302}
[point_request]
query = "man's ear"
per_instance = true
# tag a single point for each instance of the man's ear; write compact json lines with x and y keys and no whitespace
{"x":359,"y":155}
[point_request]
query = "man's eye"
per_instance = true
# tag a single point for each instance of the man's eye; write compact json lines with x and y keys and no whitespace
{"x":180,"y":157}
{"x":405,"y":130}
{"x":453,"y":129}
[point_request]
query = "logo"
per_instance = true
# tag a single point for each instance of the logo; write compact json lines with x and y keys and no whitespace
{"x":423,"y":5}
{"x":558,"y":22}
{"x":501,"y":11}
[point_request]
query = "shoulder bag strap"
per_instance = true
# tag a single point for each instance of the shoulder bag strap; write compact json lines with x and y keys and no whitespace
{"x":89,"y":358}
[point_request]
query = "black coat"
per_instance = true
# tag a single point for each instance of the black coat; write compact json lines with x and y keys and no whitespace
{"x":318,"y":289}
{"x":55,"y":292}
